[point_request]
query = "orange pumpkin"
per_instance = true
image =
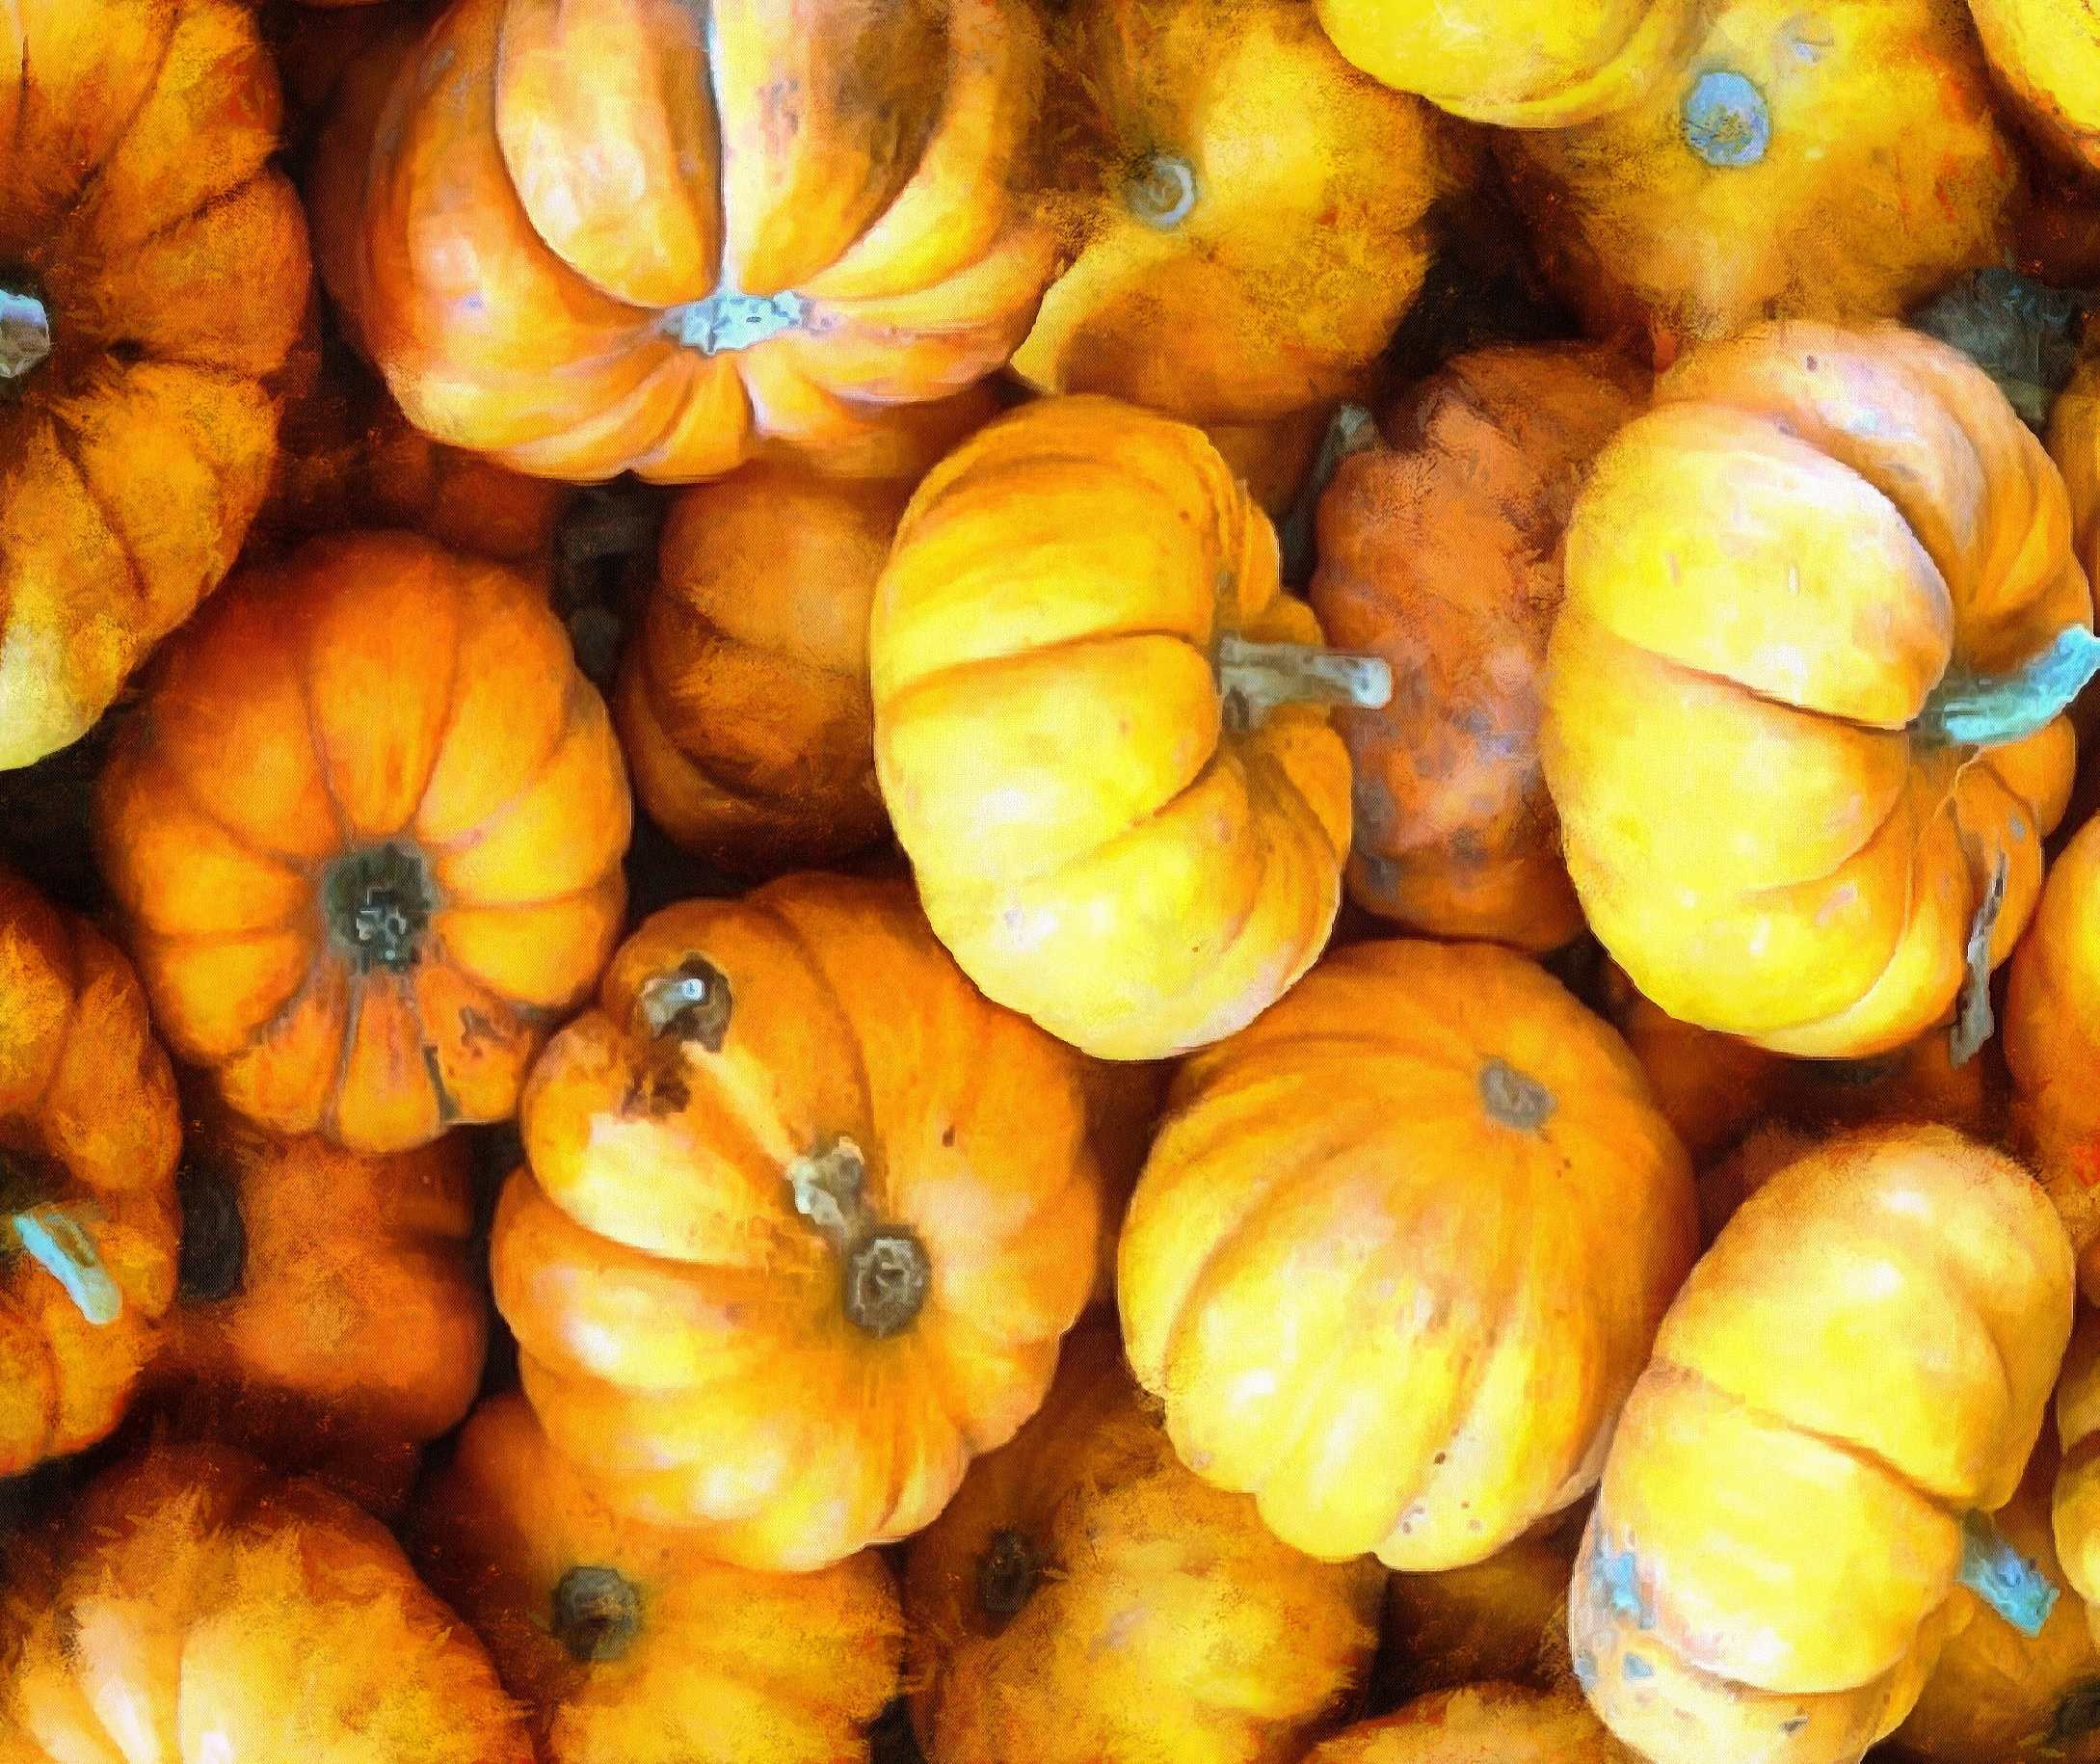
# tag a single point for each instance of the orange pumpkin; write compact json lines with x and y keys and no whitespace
{"x":631,"y":235}
{"x":330,"y":1316}
{"x":2075,"y":1500}
{"x":156,"y":277}
{"x":1854,"y":1373}
{"x":365,"y":829}
{"x":1440,"y":552}
{"x":1399,"y":1250}
{"x":2047,"y":54}
{"x":89,"y":1134}
{"x":630,"y":1644}
{"x":1504,"y":1620}
{"x":1834,"y":160}
{"x":1824,"y":592}
{"x":2074,"y":443}
{"x":742,"y":702}
{"x":190,"y":1608}
{"x":1272,"y":457}
{"x":1084,"y":1597}
{"x":1100,"y":733}
{"x":805,"y":1221}
{"x":1508,"y":1723}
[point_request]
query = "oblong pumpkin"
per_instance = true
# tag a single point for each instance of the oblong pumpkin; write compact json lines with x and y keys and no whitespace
{"x":1824,"y":591}
{"x":365,"y":831}
{"x":805,"y":1221}
{"x":1509,"y":1724}
{"x":1399,"y":1252}
{"x":1858,"y":1365}
{"x":2048,"y":55}
{"x":1098,"y":734}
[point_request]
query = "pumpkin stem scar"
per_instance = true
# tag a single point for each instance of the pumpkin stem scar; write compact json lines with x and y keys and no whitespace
{"x":25,"y":334}
{"x":1161,"y":190}
{"x":727,"y":320}
{"x":59,"y":1244}
{"x":1254,"y":678}
{"x":691,"y":1003}
{"x":377,"y":902}
{"x":1515,"y":1099}
{"x":214,"y":1256}
{"x":2021,"y":332}
{"x":1992,"y":710}
{"x":1973,"y":1018}
{"x":2007,"y":1581}
{"x":886,"y":1272}
{"x":598,"y":1613}
{"x":1007,"y":1573}
{"x":1726,"y":120}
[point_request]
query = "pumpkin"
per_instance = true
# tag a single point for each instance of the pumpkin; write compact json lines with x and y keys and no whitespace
{"x":2047,"y":55}
{"x":365,"y":830}
{"x":329,"y":1316}
{"x":1440,"y":552}
{"x":805,"y":1221}
{"x":1085,"y":1597}
{"x":156,"y":277}
{"x":1824,"y":591}
{"x":637,"y":235}
{"x":1517,"y":63}
{"x":1273,"y":456}
{"x":1399,"y":1250}
{"x":629,"y":1644}
{"x":1509,"y":1724}
{"x":1835,"y":160}
{"x":1855,"y":1375}
{"x":2074,"y":445}
{"x":1505,"y":1619}
{"x":89,"y":1134}
{"x":1244,"y":215}
{"x":742,"y":701}
{"x":1100,"y":730}
{"x":190,"y":1607}
{"x":2075,"y":1512}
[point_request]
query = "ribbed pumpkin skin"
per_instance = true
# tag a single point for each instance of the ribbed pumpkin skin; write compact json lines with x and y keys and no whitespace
{"x":1506,"y":1722}
{"x":2075,"y":1501}
{"x":711,"y":1660}
{"x":1085,"y":1597}
{"x":1863,"y":1358}
{"x":1399,"y":1252}
{"x":637,"y":235}
{"x":2048,"y":55}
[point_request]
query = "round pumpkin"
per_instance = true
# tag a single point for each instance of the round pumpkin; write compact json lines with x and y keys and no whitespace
{"x":1100,"y":730}
{"x":1855,"y":1372}
{"x":365,"y":830}
{"x":1505,"y":1619}
{"x":329,"y":1316}
{"x":1399,"y":1250}
{"x":2075,"y":1501}
{"x":155,"y":279}
{"x":639,"y":235}
{"x":190,"y":1608}
{"x":1440,"y":552}
{"x":1244,"y":216}
{"x":743,"y":699}
{"x":805,"y":1221}
{"x":1835,"y":160}
{"x":1272,"y":456}
{"x":1084,"y":1597}
{"x":2074,"y":443}
{"x":90,"y":1130}
{"x":2047,"y":54}
{"x":1824,"y":591}
{"x":630,"y":1644}
{"x":1509,"y":1724}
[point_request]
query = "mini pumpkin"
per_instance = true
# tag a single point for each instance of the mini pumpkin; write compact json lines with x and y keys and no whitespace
{"x":1100,"y":730}
{"x":1085,"y":1597}
{"x":630,"y":1644}
{"x":189,"y":1607}
{"x":1834,"y":160}
{"x":1272,"y":457}
{"x":1855,"y":1372}
{"x":365,"y":830}
{"x":156,"y":277}
{"x":2075,"y":1501}
{"x":1510,"y":1723}
{"x":1440,"y":552}
{"x":89,"y":1134}
{"x":2074,"y":445}
{"x":2048,"y":55}
{"x":805,"y":1221}
{"x":1399,"y":1252}
{"x":1824,"y":591}
{"x":1504,"y":1621}
{"x":636,"y":235}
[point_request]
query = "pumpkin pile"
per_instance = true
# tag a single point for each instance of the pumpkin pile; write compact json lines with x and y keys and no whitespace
{"x":1049,"y":881}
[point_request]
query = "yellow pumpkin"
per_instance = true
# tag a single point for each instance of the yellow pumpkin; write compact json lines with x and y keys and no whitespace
{"x":2047,"y":54}
{"x":1505,"y":1619}
{"x":2075,"y":1503}
{"x":1479,"y":1723}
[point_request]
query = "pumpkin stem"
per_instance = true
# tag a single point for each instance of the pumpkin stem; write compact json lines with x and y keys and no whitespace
{"x":214,"y":1255}
{"x":25,"y":334}
{"x":728,"y":319}
{"x":2020,"y":331}
{"x":377,"y":903}
{"x":1254,"y":678}
{"x":689,"y":1003}
{"x":1515,"y":1099}
{"x":596,"y":1614}
{"x":60,"y":1245}
{"x":2007,"y":1581}
{"x":1973,"y":1018}
{"x":1007,"y":1573}
{"x":1992,"y":710}
{"x":887,"y":1271}
{"x":1161,"y":190}
{"x":1726,"y":120}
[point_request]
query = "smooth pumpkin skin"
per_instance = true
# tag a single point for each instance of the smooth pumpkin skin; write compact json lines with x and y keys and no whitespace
{"x":1399,"y":1252}
{"x":1852,"y":168}
{"x":330,"y":1317}
{"x":1509,"y":1724}
{"x":365,"y":830}
{"x":190,"y":1608}
{"x":1244,"y":216}
{"x":1093,"y":842}
{"x":88,"y":1122}
{"x":1770,"y":1568}
{"x":141,"y":206}
{"x":2047,"y":55}
{"x":1767,"y":576}
{"x":688,"y":1657}
{"x":704,"y":1316}
{"x":743,"y":699}
{"x":1505,"y":1619}
{"x":524,"y":211}
{"x":1440,"y":551}
{"x":1084,"y":1597}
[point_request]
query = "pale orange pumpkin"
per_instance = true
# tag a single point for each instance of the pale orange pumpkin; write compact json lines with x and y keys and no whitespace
{"x":1480,"y":1724}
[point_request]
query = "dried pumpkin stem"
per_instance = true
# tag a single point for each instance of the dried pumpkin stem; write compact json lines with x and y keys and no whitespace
{"x":25,"y":334}
{"x":214,"y":1257}
{"x":1161,"y":190}
{"x":1992,"y":710}
{"x":59,"y":1244}
{"x":377,"y":902}
{"x":1007,"y":1573}
{"x":2007,"y":1581}
{"x":1254,"y":678}
{"x":2021,"y":332}
{"x":886,"y":1272}
{"x":598,"y":1613}
{"x":1726,"y":121}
